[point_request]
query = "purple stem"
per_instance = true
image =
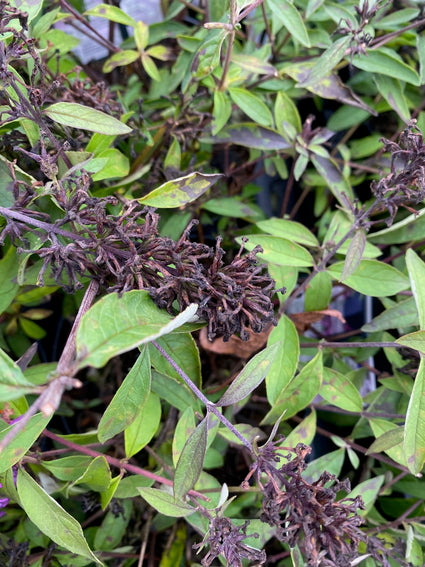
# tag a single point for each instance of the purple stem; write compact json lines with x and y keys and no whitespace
{"x":209,"y":405}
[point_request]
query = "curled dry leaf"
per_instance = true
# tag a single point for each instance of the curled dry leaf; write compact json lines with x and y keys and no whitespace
{"x":235,"y":346}
{"x":302,"y":321}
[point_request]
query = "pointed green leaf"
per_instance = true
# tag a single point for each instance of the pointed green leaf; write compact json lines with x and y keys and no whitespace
{"x":50,"y":518}
{"x":96,"y":477}
{"x":128,"y":399}
{"x":183,"y":350}
{"x":400,"y":315}
{"x":250,"y":377}
{"x":254,"y":64}
{"x":190,"y":463}
{"x":141,"y":430}
{"x":222,"y":111}
{"x":185,"y":425}
{"x":141,"y":35}
{"x":392,"y":91}
{"x":339,"y":391}
{"x":326,"y":62}
{"x":414,"y":340}
{"x":331,"y":462}
{"x":8,"y":271}
{"x":180,"y":191}
{"x":416,"y":269}
{"x":287,"y":14}
{"x":354,"y":253}
{"x":414,"y":431}
{"x":120,"y":59}
{"x":13,"y":383}
{"x":118,"y":324}
{"x":79,"y":116}
{"x":23,"y":441}
{"x":291,"y":230}
{"x":278,"y":250}
{"x":386,"y":62}
{"x":368,"y":490}
{"x":112,"y":13}
{"x":150,"y":67}
{"x":388,"y":440}
{"x":299,"y":392}
{"x":318,"y":295}
{"x":252,"y":105}
{"x":285,"y":363}
{"x":165,"y":504}
{"x":372,"y":278}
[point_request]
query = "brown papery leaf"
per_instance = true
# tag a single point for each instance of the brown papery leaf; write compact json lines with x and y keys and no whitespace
{"x":235,"y":346}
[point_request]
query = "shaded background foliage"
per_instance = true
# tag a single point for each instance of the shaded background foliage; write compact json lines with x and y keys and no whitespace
{"x":185,"y":227}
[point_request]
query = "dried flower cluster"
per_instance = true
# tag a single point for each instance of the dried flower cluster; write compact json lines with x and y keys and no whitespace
{"x":226,"y":539}
{"x":405,"y":184}
{"x":124,"y":252}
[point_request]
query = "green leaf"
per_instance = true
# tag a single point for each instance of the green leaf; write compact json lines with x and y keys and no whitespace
{"x":400,"y":315}
{"x":8,"y":272}
{"x":165,"y":504}
{"x":96,"y":477}
{"x":372,"y":278}
{"x":222,"y":111}
{"x":185,"y":426}
{"x":354,"y":253}
{"x":174,"y":155}
{"x":252,"y":105}
{"x":113,"y":527}
{"x":183,"y":350}
{"x":79,"y":116}
{"x":128,"y":399}
{"x":50,"y":518}
{"x":286,"y":13}
{"x":141,"y":430}
{"x":414,"y":340}
{"x":414,"y":431}
{"x":339,"y":391}
{"x":112,"y":13}
{"x":384,"y":61}
{"x":392,"y":91}
{"x":319,"y":292}
{"x":120,"y":59}
{"x":190,"y":463}
{"x":416,"y":269}
{"x":393,"y":436}
{"x":68,"y":468}
{"x":278,"y":250}
{"x":326,"y":62}
{"x":285,"y":363}
{"x":299,"y":392}
{"x":116,"y":165}
{"x":334,"y":178}
{"x":174,"y":392}
{"x":410,"y":228}
{"x":331,"y":462}
{"x":254,"y":64}
{"x":230,"y":207}
{"x":150,"y":67}
{"x":368,"y":490}
{"x":251,"y":376}
{"x":291,"y":230}
{"x":23,"y":441}
{"x":118,"y":324}
{"x":286,"y":112}
{"x":13,"y":383}
{"x":250,"y":136}
{"x":141,"y":35}
{"x":180,"y":191}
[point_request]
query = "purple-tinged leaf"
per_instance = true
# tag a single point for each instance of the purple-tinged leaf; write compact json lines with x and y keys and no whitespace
{"x":250,"y":377}
{"x":249,"y":135}
{"x":354,"y":254}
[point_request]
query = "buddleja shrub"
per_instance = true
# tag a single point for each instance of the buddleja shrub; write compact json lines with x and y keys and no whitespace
{"x":177,"y":420}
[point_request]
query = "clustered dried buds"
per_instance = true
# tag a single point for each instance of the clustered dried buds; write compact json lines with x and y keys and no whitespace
{"x":405,"y":184}
{"x":226,"y":539}
{"x":124,"y":251}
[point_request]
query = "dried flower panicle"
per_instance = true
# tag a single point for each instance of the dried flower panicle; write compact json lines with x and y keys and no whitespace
{"x":124,"y":251}
{"x":226,"y":539}
{"x":405,"y":184}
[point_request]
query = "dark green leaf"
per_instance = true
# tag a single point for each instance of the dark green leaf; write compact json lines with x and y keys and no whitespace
{"x":392,"y":91}
{"x":180,"y":191}
{"x":288,"y":15}
{"x":334,"y":178}
{"x":144,"y":426}
{"x":416,"y":269}
{"x":8,"y":273}
{"x":386,"y":62}
{"x":128,"y":399}
{"x":250,"y":377}
{"x":252,"y":105}
{"x":190,"y":463}
{"x":326,"y":62}
{"x":183,"y":350}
